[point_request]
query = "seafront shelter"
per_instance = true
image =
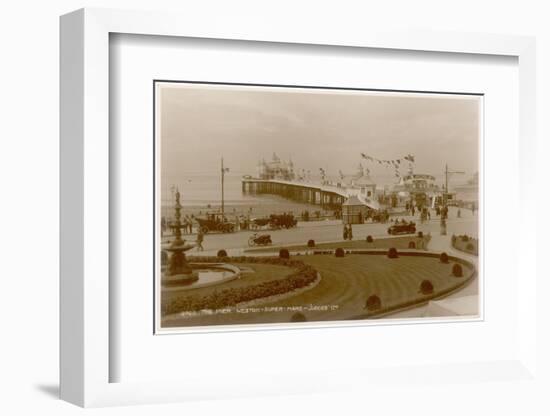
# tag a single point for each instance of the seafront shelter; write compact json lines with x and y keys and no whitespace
{"x":353,"y":211}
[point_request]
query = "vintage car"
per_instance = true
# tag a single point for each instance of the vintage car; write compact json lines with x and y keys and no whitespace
{"x":282,"y":221}
{"x":402,"y":228}
{"x":215,"y":222}
{"x":275,"y":222}
{"x":259,"y":240}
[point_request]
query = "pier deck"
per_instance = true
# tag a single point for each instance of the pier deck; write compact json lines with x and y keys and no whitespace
{"x":327,"y":196}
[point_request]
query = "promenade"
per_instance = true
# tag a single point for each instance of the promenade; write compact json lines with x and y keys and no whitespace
{"x":331,"y":231}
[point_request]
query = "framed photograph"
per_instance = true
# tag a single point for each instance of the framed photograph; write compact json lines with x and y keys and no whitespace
{"x":234,"y":203}
{"x":304,"y":238}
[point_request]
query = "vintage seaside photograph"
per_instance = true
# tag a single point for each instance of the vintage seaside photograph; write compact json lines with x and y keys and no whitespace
{"x":298,"y":205}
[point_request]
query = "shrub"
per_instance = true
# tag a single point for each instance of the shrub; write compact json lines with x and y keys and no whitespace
{"x":443,"y":258}
{"x":420,"y":234}
{"x":339,"y":252}
{"x":453,"y":239}
{"x":373,"y":303}
{"x":465,"y":238}
{"x":470,"y":247}
{"x":311,"y":243}
{"x":412,"y":244}
{"x":298,"y":317}
{"x":222,"y":253}
{"x":457,"y":270}
{"x":426,"y":287}
{"x":369,"y":239}
{"x":392,"y":253}
{"x":284,"y":254}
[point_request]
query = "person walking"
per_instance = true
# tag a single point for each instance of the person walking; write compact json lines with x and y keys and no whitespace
{"x":350,"y":233}
{"x":162,"y":226}
{"x":345,"y":232}
{"x":200,"y":239}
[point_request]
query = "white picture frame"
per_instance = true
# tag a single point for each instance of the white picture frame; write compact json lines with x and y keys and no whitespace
{"x":85,"y":178}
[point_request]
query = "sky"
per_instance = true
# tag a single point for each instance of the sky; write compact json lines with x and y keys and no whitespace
{"x":317,"y":128}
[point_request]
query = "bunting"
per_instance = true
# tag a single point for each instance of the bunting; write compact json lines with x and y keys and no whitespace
{"x":395,"y":162}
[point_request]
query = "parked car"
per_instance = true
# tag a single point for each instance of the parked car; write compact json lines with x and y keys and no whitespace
{"x":215,"y":222}
{"x":402,"y":228}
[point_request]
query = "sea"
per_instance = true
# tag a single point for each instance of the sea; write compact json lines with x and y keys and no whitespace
{"x":201,"y":193}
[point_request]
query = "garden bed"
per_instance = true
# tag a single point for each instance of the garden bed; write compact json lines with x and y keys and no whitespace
{"x":276,"y":280}
{"x":400,"y":242}
{"x":465,"y":244}
{"x":346,"y":284}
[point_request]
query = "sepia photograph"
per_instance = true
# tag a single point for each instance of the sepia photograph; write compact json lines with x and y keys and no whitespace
{"x":297,"y":205}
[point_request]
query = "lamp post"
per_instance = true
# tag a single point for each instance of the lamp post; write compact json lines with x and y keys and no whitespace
{"x":223,"y":171}
{"x":447,"y":173}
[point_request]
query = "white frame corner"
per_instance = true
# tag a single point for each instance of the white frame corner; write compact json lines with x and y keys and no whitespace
{"x":84,"y":177}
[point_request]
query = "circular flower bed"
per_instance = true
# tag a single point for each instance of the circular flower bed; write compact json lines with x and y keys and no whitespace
{"x":457,"y":270}
{"x":426,"y":287}
{"x":373,"y":303}
{"x":298,"y":317}
{"x":465,"y":243}
{"x":284,"y":254}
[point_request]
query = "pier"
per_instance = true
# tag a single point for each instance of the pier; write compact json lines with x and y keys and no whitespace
{"x":327,"y":196}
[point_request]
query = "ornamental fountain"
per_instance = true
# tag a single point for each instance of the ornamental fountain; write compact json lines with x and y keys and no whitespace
{"x":181,"y":275}
{"x":178,"y":269}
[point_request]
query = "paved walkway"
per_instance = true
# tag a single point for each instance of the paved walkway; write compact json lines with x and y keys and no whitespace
{"x":329,"y":231}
